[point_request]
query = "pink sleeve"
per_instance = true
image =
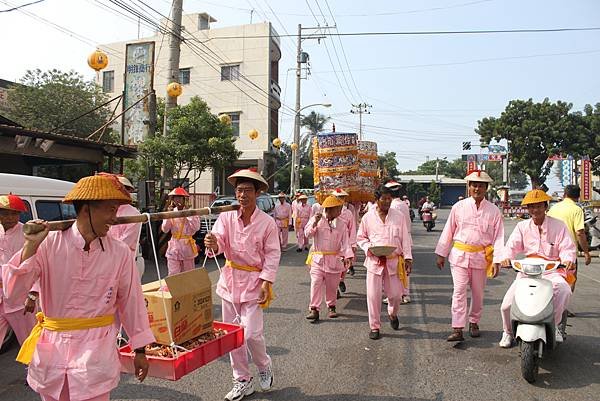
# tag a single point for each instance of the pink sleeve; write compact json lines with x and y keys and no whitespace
{"x":566,"y":247}
{"x":272,"y":253}
{"x":220,"y":232}
{"x":445,"y":242}
{"x":193,"y":224}
{"x":499,"y":238}
{"x":19,"y":277}
{"x":309,"y":230}
{"x":514,"y":245}
{"x":362,"y":236}
{"x":166,"y":225}
{"x":130,"y":235}
{"x":130,"y":304}
{"x":406,"y":242}
{"x":352,"y":233}
{"x":346,"y":249}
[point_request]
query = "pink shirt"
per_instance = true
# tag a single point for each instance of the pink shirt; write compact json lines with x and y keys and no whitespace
{"x":401,"y":206}
{"x":181,"y":249}
{"x":372,"y":231}
{"x":472,"y":226}
{"x":128,"y":233}
{"x":11,"y":242}
{"x":302,"y":213}
{"x":282,"y":211}
{"x":554,"y":242}
{"x":329,"y":239}
{"x":80,"y":284}
{"x":255,"y":245}
{"x":347,"y":218}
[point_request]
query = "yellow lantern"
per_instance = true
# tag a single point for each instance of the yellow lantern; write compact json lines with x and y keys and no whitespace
{"x":294,"y":146}
{"x":253,"y":134}
{"x":225,"y":119}
{"x":98,"y":60}
{"x":174,"y":89}
{"x":277,"y":142}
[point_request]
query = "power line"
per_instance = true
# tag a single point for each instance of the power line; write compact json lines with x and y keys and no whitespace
{"x":21,"y":6}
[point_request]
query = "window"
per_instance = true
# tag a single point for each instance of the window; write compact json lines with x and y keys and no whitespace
{"x":230,"y":72}
{"x":54,"y":210}
{"x":235,"y":123}
{"x":184,"y":76}
{"x":26,"y":216}
{"x":108,"y":81}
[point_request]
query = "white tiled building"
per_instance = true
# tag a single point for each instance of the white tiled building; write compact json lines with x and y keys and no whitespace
{"x":238,"y":75}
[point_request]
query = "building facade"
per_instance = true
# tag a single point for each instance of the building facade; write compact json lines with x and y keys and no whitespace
{"x":235,"y":70}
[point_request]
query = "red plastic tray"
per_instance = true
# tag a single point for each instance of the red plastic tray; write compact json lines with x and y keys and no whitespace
{"x":187,"y":362}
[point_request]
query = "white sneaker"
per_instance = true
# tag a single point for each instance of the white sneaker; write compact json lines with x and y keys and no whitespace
{"x":559,"y":337}
{"x":385,"y":300}
{"x":265,"y":379}
{"x":240,"y":390}
{"x":506,"y":341}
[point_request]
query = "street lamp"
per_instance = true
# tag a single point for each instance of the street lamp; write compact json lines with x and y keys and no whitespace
{"x":295,"y":169}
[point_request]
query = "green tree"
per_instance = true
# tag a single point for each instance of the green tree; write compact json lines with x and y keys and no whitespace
{"x":315,"y":123}
{"x":414,"y":192}
{"x":46,"y":100}
{"x":389,"y":164}
{"x":434,"y":192}
{"x":590,"y":141}
{"x":535,"y":132}
{"x":282,"y":167}
{"x":197,"y":140}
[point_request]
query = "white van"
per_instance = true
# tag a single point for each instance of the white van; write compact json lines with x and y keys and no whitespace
{"x":43,"y":198}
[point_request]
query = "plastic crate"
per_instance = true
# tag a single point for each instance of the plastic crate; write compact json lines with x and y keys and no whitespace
{"x":187,"y":362}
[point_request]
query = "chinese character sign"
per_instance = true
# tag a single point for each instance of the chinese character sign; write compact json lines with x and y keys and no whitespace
{"x":586,"y":180}
{"x":139,"y":72}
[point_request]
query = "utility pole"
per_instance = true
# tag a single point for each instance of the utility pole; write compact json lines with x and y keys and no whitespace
{"x":360,"y":109}
{"x":174,"y":54}
{"x":301,"y":58}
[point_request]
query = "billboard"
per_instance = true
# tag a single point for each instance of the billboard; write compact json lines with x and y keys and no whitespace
{"x":586,"y":180}
{"x":139,"y":82}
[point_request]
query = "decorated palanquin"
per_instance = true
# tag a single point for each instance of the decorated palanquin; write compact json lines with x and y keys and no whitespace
{"x":367,"y":180}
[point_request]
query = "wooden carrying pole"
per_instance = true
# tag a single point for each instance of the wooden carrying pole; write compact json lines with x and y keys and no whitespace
{"x":33,"y":228}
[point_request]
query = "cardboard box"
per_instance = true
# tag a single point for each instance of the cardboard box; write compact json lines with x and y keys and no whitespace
{"x":188,"y":303}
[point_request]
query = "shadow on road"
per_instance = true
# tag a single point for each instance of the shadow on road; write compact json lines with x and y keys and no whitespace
{"x":294,"y":393}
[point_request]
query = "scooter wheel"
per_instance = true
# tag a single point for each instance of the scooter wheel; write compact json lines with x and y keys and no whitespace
{"x":530,"y":363}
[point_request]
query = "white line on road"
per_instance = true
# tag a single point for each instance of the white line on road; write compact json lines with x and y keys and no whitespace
{"x":579,"y":273}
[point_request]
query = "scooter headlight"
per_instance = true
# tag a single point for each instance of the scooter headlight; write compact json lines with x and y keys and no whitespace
{"x":532,"y":270}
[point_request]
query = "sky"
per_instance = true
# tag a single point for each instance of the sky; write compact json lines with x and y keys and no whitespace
{"x":427,"y":92}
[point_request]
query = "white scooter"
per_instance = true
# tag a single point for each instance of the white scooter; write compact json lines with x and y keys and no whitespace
{"x":532,"y":314}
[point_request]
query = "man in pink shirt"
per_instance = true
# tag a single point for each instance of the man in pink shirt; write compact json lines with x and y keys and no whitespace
{"x":402,"y":207}
{"x":250,"y":241}
{"x":546,"y":237}
{"x":11,"y":242}
{"x":472,"y":241}
{"x":283,"y":216}
{"x":301,"y":216}
{"x":329,"y":257}
{"x":86,"y":278}
{"x":384,"y":226}
{"x":182,"y":247}
{"x":347,"y":218}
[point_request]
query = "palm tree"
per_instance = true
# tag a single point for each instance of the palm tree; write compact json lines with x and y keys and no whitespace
{"x":315,"y":122}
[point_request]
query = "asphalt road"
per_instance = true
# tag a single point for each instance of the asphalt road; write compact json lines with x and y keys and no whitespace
{"x":335,"y":360}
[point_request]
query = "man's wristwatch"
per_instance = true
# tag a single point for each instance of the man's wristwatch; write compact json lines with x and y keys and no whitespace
{"x":32,"y":297}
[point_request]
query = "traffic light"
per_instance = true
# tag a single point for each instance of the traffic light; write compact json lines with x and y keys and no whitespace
{"x":466,"y":145}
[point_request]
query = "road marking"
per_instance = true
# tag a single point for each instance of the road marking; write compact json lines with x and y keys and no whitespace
{"x":588,"y":277}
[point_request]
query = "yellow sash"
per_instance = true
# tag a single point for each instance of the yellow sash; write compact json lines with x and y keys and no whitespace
{"x":285,"y":222}
{"x":270,"y":296}
{"x":311,"y":253}
{"x":489,"y":254}
{"x":58,"y":324}
{"x":190,"y":240}
{"x":298,"y":221}
{"x":401,"y":272}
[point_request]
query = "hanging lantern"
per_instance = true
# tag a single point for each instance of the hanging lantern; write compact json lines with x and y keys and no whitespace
{"x":174,"y":89}
{"x":294,"y":146}
{"x":98,"y":60}
{"x":277,"y":142}
{"x":253,"y":134}
{"x":225,"y":119}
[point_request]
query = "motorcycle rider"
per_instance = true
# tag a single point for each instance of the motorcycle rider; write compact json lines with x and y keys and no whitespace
{"x":428,"y":204}
{"x":546,"y":237}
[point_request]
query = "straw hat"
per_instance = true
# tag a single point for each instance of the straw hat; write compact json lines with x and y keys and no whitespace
{"x":339,"y":192}
{"x":535,"y":196}
{"x":392,"y":184}
{"x":302,"y":197}
{"x":179,"y":191}
{"x":252,"y":174}
{"x":125,"y":181}
{"x":98,"y":187}
{"x":332,"y":201}
{"x":12,"y":202}
{"x":479,"y":176}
